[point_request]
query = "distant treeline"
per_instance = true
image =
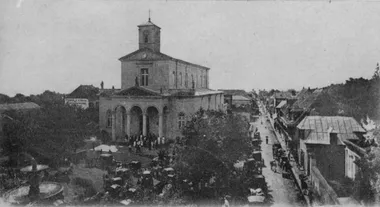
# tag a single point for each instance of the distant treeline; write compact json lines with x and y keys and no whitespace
{"x":45,"y":99}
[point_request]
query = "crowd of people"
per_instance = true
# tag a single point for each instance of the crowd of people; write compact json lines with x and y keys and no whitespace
{"x":151,"y":141}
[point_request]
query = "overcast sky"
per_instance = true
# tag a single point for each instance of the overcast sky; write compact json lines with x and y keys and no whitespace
{"x":60,"y":44}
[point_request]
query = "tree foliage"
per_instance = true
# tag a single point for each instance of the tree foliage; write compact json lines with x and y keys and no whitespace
{"x":213,"y":142}
{"x":50,"y":133}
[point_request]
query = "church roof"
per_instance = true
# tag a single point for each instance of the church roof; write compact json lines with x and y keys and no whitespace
{"x":137,"y":91}
{"x":149,"y":23}
{"x":152,"y":55}
{"x":203,"y":91}
{"x":108,"y":92}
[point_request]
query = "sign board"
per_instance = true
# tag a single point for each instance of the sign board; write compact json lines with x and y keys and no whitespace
{"x":80,"y":102}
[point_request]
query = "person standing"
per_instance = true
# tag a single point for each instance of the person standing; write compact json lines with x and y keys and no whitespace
{"x":266,"y":139}
{"x":159,"y":141}
{"x":226,"y":203}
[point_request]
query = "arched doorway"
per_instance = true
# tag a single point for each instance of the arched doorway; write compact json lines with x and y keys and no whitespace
{"x":136,"y":121}
{"x":152,"y":119}
{"x":120,"y":121}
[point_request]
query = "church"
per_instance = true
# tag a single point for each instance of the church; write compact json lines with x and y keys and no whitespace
{"x":158,"y":94}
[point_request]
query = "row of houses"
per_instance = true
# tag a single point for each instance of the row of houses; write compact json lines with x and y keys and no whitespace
{"x":319,"y":137}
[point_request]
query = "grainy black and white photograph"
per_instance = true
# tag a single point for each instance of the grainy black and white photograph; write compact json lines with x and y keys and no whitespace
{"x":190,"y":103}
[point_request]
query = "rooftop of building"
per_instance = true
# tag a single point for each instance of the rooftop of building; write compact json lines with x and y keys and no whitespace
{"x":305,"y":99}
{"x":239,"y":98}
{"x":85,"y":91}
{"x":281,"y":104}
{"x":318,"y":128}
{"x":234,"y":92}
{"x":139,"y":91}
{"x":284,"y":95}
{"x":148,"y":23}
{"x":161,"y":56}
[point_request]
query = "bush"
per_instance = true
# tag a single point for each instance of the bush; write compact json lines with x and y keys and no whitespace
{"x":343,"y":188}
{"x":86,"y":184}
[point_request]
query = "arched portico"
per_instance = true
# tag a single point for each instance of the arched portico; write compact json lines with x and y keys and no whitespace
{"x":164,"y":119}
{"x":136,"y":117}
{"x":138,"y":120}
{"x":152,"y":126}
{"x":120,"y":119}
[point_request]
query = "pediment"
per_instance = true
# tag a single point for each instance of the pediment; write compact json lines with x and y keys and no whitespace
{"x":145,"y":54}
{"x":137,"y":91}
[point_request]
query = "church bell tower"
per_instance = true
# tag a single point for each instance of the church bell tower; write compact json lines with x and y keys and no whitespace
{"x":149,"y":36}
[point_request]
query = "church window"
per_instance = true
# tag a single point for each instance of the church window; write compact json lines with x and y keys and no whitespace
{"x":109,"y":119}
{"x":192,"y":81}
{"x":180,"y":79}
{"x":186,"y":81}
{"x":209,"y":102}
{"x":146,"y":37}
{"x":144,"y":77}
{"x":181,"y":120}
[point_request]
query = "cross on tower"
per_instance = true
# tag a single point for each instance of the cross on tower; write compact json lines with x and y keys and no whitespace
{"x":149,"y":15}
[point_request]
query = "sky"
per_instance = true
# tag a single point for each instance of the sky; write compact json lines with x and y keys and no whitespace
{"x":59,"y":44}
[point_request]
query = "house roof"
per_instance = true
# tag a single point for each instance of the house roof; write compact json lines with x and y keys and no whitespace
{"x":85,"y":91}
{"x":19,"y":106}
{"x":153,"y":55}
{"x":305,"y":99}
{"x":281,"y":104}
{"x":239,"y":98}
{"x":318,"y":128}
{"x":283,"y":95}
{"x":233,"y":92}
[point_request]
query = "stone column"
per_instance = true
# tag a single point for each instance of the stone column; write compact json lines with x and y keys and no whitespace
{"x":128,"y":125}
{"x":160,"y":125}
{"x":113,"y":126}
{"x":144,"y":124}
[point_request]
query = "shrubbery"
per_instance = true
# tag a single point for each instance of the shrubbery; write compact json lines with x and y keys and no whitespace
{"x":86,"y":184}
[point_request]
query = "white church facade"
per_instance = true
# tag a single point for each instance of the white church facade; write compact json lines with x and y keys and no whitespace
{"x":158,"y":93}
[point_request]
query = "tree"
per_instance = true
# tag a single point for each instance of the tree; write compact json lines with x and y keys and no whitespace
{"x":213,"y":142}
{"x":52,"y":133}
{"x":293,"y":92}
{"x":367,"y":182}
{"x":376,"y":75}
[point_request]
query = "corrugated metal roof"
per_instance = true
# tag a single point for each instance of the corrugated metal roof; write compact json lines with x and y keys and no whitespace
{"x":340,"y":124}
{"x":281,"y":104}
{"x":317,"y":128}
{"x":19,"y":106}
